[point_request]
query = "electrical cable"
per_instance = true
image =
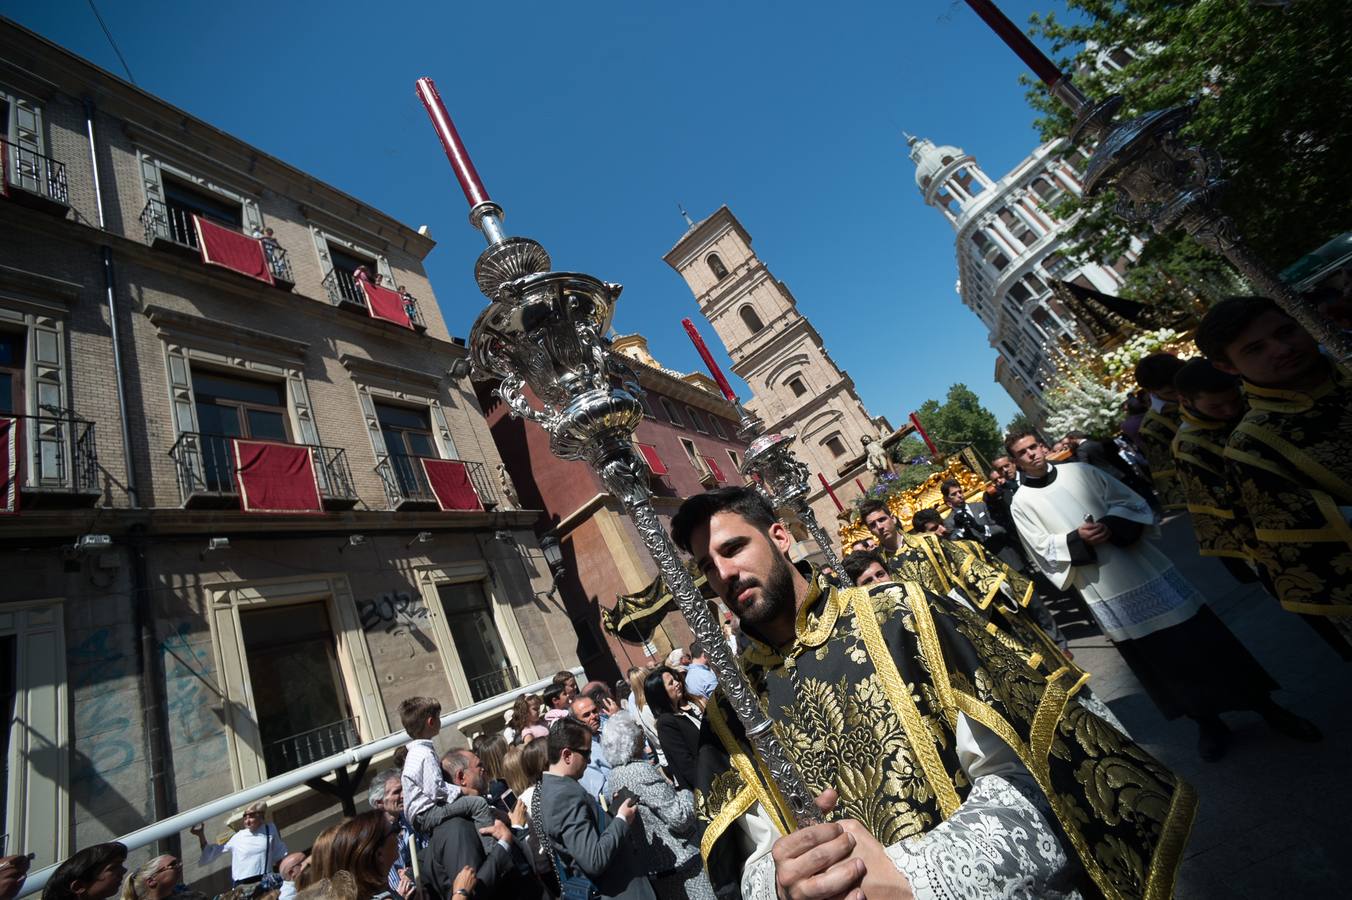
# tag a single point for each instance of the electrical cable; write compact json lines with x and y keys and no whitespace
{"x":109,"y":35}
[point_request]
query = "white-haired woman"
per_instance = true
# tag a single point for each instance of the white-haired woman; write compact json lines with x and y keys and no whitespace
{"x":666,"y":834}
{"x":255,"y":850}
{"x":153,"y":880}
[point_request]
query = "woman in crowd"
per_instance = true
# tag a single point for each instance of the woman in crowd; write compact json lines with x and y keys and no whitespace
{"x":365,"y":847}
{"x":153,"y":880}
{"x":254,"y":850}
{"x":666,"y":836}
{"x":94,"y":873}
{"x":491,"y":748}
{"x":637,"y":704}
{"x":526,"y":722}
{"x":678,"y":722}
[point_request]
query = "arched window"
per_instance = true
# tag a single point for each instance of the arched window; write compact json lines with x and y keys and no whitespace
{"x":716,"y":266}
{"x":751,"y":320}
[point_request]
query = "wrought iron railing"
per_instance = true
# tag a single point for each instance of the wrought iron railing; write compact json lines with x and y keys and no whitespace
{"x":341,"y":288}
{"x":206,"y":468}
{"x":163,"y":222}
{"x":31,"y":171}
{"x":405,"y":481}
{"x":60,"y":453}
{"x":309,"y":746}
{"x":501,"y":681}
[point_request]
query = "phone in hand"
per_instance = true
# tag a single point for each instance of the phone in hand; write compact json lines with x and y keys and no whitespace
{"x":1089,"y":520}
{"x":623,"y":794}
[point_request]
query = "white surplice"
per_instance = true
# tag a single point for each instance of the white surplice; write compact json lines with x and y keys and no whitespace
{"x":1131,"y":591}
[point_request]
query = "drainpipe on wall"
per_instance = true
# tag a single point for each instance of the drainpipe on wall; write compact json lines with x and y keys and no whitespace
{"x":150,"y":662}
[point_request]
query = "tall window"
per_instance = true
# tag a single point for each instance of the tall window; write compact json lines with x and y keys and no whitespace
{"x":835,"y":445}
{"x":716,"y":266}
{"x":693,"y":455}
{"x":228,"y":406}
{"x":796,"y":385}
{"x":717,"y":426}
{"x":299,"y":697}
{"x":751,"y":320}
{"x":477,"y":641}
{"x":183,"y":201}
{"x":736,"y":460}
{"x":344,"y":265}
{"x":672,"y":415}
{"x":11,"y":371}
{"x":408,"y":435}
{"x":696,"y":420}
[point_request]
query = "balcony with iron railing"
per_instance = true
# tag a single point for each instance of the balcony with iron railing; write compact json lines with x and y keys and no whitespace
{"x":34,"y":179}
{"x":406,"y":486}
{"x":59,"y":460}
{"x":205,"y":466}
{"x":290,"y":753}
{"x":343,"y":292}
{"x":172,"y":227}
{"x":481,"y":687}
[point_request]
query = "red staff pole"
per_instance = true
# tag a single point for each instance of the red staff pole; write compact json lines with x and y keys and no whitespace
{"x":840,"y":507}
{"x":862,"y":489}
{"x":708,"y":358}
{"x":924,"y":437}
{"x":483,"y":212}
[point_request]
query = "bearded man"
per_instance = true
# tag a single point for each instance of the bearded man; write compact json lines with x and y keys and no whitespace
{"x":947,"y":765}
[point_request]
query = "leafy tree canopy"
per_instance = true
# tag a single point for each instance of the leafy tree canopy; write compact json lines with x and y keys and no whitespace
{"x":1271,"y":86}
{"x":960,"y":420}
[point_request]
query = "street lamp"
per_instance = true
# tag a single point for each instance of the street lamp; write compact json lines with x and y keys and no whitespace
{"x":545,"y":330}
{"x":1163,"y":182}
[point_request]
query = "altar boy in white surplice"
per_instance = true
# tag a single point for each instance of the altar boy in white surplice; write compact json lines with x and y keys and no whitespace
{"x":1085,"y":529}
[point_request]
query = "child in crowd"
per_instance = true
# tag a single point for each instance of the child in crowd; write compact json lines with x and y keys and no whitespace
{"x":429,"y":799}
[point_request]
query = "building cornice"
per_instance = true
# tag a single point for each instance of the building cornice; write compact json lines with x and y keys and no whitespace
{"x":702,"y":234}
{"x":185,"y":328}
{"x":25,"y":287}
{"x":370,"y":370}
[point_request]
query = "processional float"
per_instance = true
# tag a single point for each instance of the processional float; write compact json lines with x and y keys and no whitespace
{"x":1162,"y":181}
{"x":544,"y":332}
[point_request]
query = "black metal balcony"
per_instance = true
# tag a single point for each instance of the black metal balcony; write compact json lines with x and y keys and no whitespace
{"x":60,"y":461}
{"x":481,"y":687}
{"x":406,"y":485}
{"x":206,"y":472}
{"x":342,"y":290}
{"x":290,"y":753}
{"x":172,"y":226}
{"x":40,"y":180}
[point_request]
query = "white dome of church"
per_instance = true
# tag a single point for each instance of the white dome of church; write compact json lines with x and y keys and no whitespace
{"x":931,"y":160}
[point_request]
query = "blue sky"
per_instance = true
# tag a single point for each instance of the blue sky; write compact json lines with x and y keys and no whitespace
{"x":589,"y":121}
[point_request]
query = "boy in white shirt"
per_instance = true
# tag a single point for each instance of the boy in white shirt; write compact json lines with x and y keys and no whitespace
{"x":429,"y":799}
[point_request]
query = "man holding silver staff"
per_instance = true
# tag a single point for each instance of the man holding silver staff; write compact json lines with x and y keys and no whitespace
{"x":945,"y":764}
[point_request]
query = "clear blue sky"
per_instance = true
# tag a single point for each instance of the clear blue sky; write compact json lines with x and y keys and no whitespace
{"x":589,"y":121}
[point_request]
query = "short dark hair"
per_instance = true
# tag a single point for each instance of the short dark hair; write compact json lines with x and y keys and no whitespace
{"x":1077,"y":435}
{"x":1223,"y":323}
{"x":1157,"y":370}
{"x":599,"y":692}
{"x":871,"y":506}
{"x":655,"y":690}
{"x":83,"y":865}
{"x":563,"y":676}
{"x":1015,"y":436}
{"x":568,"y":734}
{"x":925,"y":515}
{"x":699,"y":509}
{"x":1199,"y":376}
{"x":550,"y":694}
{"x":697,"y":650}
{"x":948,"y":485}
{"x":856,"y":563}
{"x":414,"y":713}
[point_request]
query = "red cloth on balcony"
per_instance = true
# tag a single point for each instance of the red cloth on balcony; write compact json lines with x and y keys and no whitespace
{"x":221,"y":246}
{"x":449,"y":480}
{"x":9,"y":466}
{"x":275,"y":478}
{"x":652,"y":459}
{"x":385,"y":304}
{"x":713,"y":467}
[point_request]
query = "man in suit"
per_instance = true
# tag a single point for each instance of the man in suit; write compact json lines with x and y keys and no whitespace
{"x":455,"y":844}
{"x":974,"y":522}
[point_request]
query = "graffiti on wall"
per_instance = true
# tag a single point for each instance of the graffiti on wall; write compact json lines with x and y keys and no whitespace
{"x":98,"y":665}
{"x":192,"y":698}
{"x":391,"y":610}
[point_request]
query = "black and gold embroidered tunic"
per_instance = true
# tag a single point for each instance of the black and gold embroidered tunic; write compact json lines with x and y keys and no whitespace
{"x":1291,"y":456}
{"x":871,"y":699}
{"x":1214,"y":504}
{"x":1155,"y":437}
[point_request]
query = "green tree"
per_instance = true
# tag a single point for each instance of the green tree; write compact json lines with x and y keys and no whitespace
{"x":960,"y":420}
{"x":1019,"y":422}
{"x":1271,"y":88}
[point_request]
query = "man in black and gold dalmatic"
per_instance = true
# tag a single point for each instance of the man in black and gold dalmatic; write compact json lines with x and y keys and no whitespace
{"x":949,"y":766}
{"x":1155,"y":374}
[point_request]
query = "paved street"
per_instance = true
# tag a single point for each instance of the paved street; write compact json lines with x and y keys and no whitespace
{"x":1272,"y":817}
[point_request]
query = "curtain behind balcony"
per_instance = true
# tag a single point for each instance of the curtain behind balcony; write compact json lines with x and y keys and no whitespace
{"x":386,"y":304}
{"x":275,"y":478}
{"x":225,"y":247}
{"x":9,"y":466}
{"x":449,"y":480}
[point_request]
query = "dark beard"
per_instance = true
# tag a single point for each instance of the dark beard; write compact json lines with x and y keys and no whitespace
{"x":776,"y":600}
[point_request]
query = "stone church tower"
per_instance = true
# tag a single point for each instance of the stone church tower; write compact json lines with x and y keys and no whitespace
{"x":795,"y":384}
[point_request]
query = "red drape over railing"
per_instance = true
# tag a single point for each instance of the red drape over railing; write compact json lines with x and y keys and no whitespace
{"x":386,"y":304}
{"x":449,"y":480}
{"x":713,"y":467}
{"x":275,"y":478}
{"x":9,"y":466}
{"x":225,"y":247}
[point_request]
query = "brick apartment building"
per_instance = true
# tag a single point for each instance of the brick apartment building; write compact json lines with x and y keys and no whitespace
{"x":688,"y":437}
{"x":168,"y":637}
